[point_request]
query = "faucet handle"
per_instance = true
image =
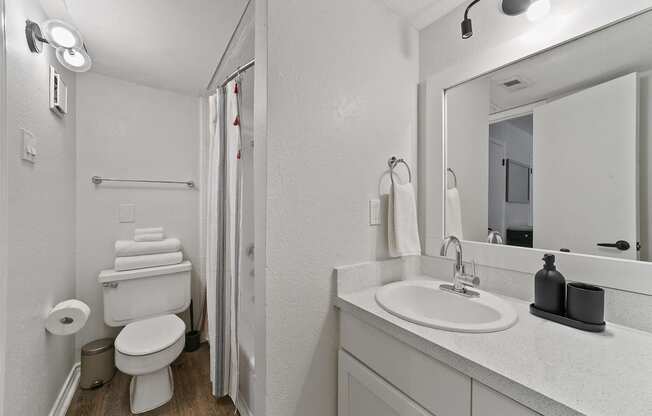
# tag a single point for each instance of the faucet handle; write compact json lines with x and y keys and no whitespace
{"x":469,"y":280}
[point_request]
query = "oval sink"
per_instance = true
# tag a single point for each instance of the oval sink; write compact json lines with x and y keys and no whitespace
{"x":422,"y":302}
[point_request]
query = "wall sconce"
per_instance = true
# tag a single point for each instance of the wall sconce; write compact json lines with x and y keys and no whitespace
{"x":534,"y":9}
{"x":68,"y":42}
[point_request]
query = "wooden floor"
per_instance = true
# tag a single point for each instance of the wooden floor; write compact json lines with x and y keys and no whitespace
{"x":192,"y":396}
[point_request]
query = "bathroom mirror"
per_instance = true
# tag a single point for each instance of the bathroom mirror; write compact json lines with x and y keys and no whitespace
{"x":554,"y":151}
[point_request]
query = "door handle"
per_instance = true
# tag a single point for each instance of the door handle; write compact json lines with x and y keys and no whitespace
{"x":621,"y":245}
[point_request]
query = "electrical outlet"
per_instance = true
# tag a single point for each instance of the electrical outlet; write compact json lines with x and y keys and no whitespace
{"x":374,"y":212}
{"x":127,"y":213}
{"x":29,"y":147}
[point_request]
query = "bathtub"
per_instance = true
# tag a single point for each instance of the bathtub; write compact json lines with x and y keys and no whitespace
{"x":247,"y":379}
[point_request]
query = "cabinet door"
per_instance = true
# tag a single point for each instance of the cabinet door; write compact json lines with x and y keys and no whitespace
{"x":487,"y":402}
{"x":363,"y":393}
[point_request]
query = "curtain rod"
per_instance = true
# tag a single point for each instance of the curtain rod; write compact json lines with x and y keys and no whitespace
{"x":237,"y":72}
{"x":228,"y":45}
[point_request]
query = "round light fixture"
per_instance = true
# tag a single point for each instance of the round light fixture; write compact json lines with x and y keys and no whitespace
{"x":538,"y":10}
{"x":74,"y":59}
{"x":62,"y":35}
{"x":535,"y":10}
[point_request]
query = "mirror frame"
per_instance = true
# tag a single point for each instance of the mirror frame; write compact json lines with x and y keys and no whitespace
{"x":620,"y":274}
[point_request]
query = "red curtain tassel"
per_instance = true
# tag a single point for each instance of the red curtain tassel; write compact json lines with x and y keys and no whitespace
{"x":236,"y":89}
{"x":237,"y":121}
{"x":238,"y":155}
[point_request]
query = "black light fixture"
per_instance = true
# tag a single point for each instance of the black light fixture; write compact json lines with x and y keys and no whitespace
{"x":467,"y":25}
{"x":535,"y":9}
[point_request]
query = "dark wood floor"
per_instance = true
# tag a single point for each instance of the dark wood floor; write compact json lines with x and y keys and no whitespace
{"x":192,"y":396}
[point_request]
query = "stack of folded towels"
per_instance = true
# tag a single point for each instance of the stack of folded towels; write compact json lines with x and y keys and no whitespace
{"x":149,"y":248}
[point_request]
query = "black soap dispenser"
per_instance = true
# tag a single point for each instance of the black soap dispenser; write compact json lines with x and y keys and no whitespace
{"x":550,"y":288}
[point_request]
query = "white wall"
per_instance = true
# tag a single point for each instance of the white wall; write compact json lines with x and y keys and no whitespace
{"x":127,"y":130}
{"x":41,"y":230}
{"x":498,"y":38}
{"x":645,"y":161}
{"x":341,"y":97}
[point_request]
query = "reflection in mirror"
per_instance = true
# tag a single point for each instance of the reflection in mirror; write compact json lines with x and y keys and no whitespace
{"x":552,"y":152}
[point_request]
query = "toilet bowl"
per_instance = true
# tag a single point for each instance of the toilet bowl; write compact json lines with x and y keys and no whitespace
{"x":145,"y":302}
{"x":145,"y":349}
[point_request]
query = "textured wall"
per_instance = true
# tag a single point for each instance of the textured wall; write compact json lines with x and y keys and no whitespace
{"x":496,"y":35}
{"x":41,"y":232}
{"x":132,"y":131}
{"x":342,"y":95}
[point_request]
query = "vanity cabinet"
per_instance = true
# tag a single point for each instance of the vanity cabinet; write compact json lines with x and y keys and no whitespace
{"x":488,"y":402}
{"x":381,"y":376}
{"x":361,"y":392}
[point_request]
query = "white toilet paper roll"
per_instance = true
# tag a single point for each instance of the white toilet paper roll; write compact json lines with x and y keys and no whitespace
{"x":68,"y":317}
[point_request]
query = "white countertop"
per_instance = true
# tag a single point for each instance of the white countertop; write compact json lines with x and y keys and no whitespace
{"x":568,"y":371}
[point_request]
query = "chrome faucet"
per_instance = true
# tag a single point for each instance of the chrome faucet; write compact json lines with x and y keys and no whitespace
{"x":461,"y":280}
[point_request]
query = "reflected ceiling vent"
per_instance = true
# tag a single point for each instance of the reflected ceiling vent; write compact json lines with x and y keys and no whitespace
{"x":514,"y":83}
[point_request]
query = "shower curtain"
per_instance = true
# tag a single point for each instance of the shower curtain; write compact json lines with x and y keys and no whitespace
{"x":223,"y":222}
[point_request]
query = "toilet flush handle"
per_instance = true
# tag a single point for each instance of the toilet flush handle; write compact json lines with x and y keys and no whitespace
{"x":112,"y":285}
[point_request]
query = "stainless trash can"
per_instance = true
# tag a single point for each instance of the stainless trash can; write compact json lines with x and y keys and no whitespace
{"x":97,"y":363}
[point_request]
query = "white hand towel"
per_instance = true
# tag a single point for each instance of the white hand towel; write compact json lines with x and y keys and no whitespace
{"x":126,"y":248}
{"x":149,"y":237}
{"x":454,"y":214}
{"x":403,"y":229}
{"x":151,"y":260}
{"x":150,"y":230}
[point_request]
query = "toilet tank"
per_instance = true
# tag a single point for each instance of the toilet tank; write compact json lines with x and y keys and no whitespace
{"x":138,"y":294}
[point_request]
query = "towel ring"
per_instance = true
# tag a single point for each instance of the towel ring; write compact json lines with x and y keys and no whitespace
{"x":393,"y":162}
{"x":452,"y":172}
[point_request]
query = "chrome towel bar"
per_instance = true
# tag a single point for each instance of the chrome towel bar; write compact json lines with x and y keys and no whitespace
{"x":393,"y":162}
{"x":97,"y":180}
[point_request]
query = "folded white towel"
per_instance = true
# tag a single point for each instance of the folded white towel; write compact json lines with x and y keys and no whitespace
{"x":151,"y":260}
{"x":125,"y":248}
{"x":403,"y":229}
{"x":149,"y":237}
{"x":150,"y":230}
{"x":454,"y":214}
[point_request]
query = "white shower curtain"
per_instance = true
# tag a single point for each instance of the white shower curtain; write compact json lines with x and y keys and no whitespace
{"x":223,"y":223}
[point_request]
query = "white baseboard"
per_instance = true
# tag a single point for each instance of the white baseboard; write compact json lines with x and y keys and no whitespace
{"x":242,"y":407}
{"x":62,"y":403}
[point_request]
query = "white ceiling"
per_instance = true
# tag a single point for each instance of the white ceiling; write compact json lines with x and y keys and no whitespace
{"x":421,"y":13}
{"x":169,"y":44}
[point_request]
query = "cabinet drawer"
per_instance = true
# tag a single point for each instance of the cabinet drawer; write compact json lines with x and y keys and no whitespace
{"x":438,"y":388}
{"x":361,"y":392}
{"x":487,"y":402}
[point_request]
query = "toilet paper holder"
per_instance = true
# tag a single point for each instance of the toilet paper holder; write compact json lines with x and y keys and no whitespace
{"x":67,"y":317}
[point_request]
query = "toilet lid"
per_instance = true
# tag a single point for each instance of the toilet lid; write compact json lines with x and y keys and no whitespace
{"x":150,"y":335}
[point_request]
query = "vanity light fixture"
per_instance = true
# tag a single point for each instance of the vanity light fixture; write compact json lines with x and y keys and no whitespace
{"x":534,"y":9}
{"x":66,"y":39}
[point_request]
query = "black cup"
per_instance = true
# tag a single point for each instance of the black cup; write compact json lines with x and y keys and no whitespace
{"x":585,"y":303}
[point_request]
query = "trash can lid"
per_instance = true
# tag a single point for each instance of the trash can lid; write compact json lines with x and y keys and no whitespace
{"x":97,"y":346}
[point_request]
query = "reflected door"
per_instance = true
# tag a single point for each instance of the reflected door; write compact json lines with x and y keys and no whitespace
{"x":585,"y":170}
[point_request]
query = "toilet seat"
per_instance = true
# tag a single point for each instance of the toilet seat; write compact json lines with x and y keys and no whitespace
{"x":149,"y":345}
{"x":150,"y":336}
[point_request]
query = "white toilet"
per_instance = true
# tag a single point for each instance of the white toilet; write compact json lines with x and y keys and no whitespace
{"x":145,"y":302}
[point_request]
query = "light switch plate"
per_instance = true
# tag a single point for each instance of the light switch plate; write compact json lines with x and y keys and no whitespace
{"x":374,"y":212}
{"x":127,"y":213}
{"x":29,"y":150}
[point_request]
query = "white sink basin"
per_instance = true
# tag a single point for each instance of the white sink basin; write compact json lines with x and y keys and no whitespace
{"x":423,"y":303}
